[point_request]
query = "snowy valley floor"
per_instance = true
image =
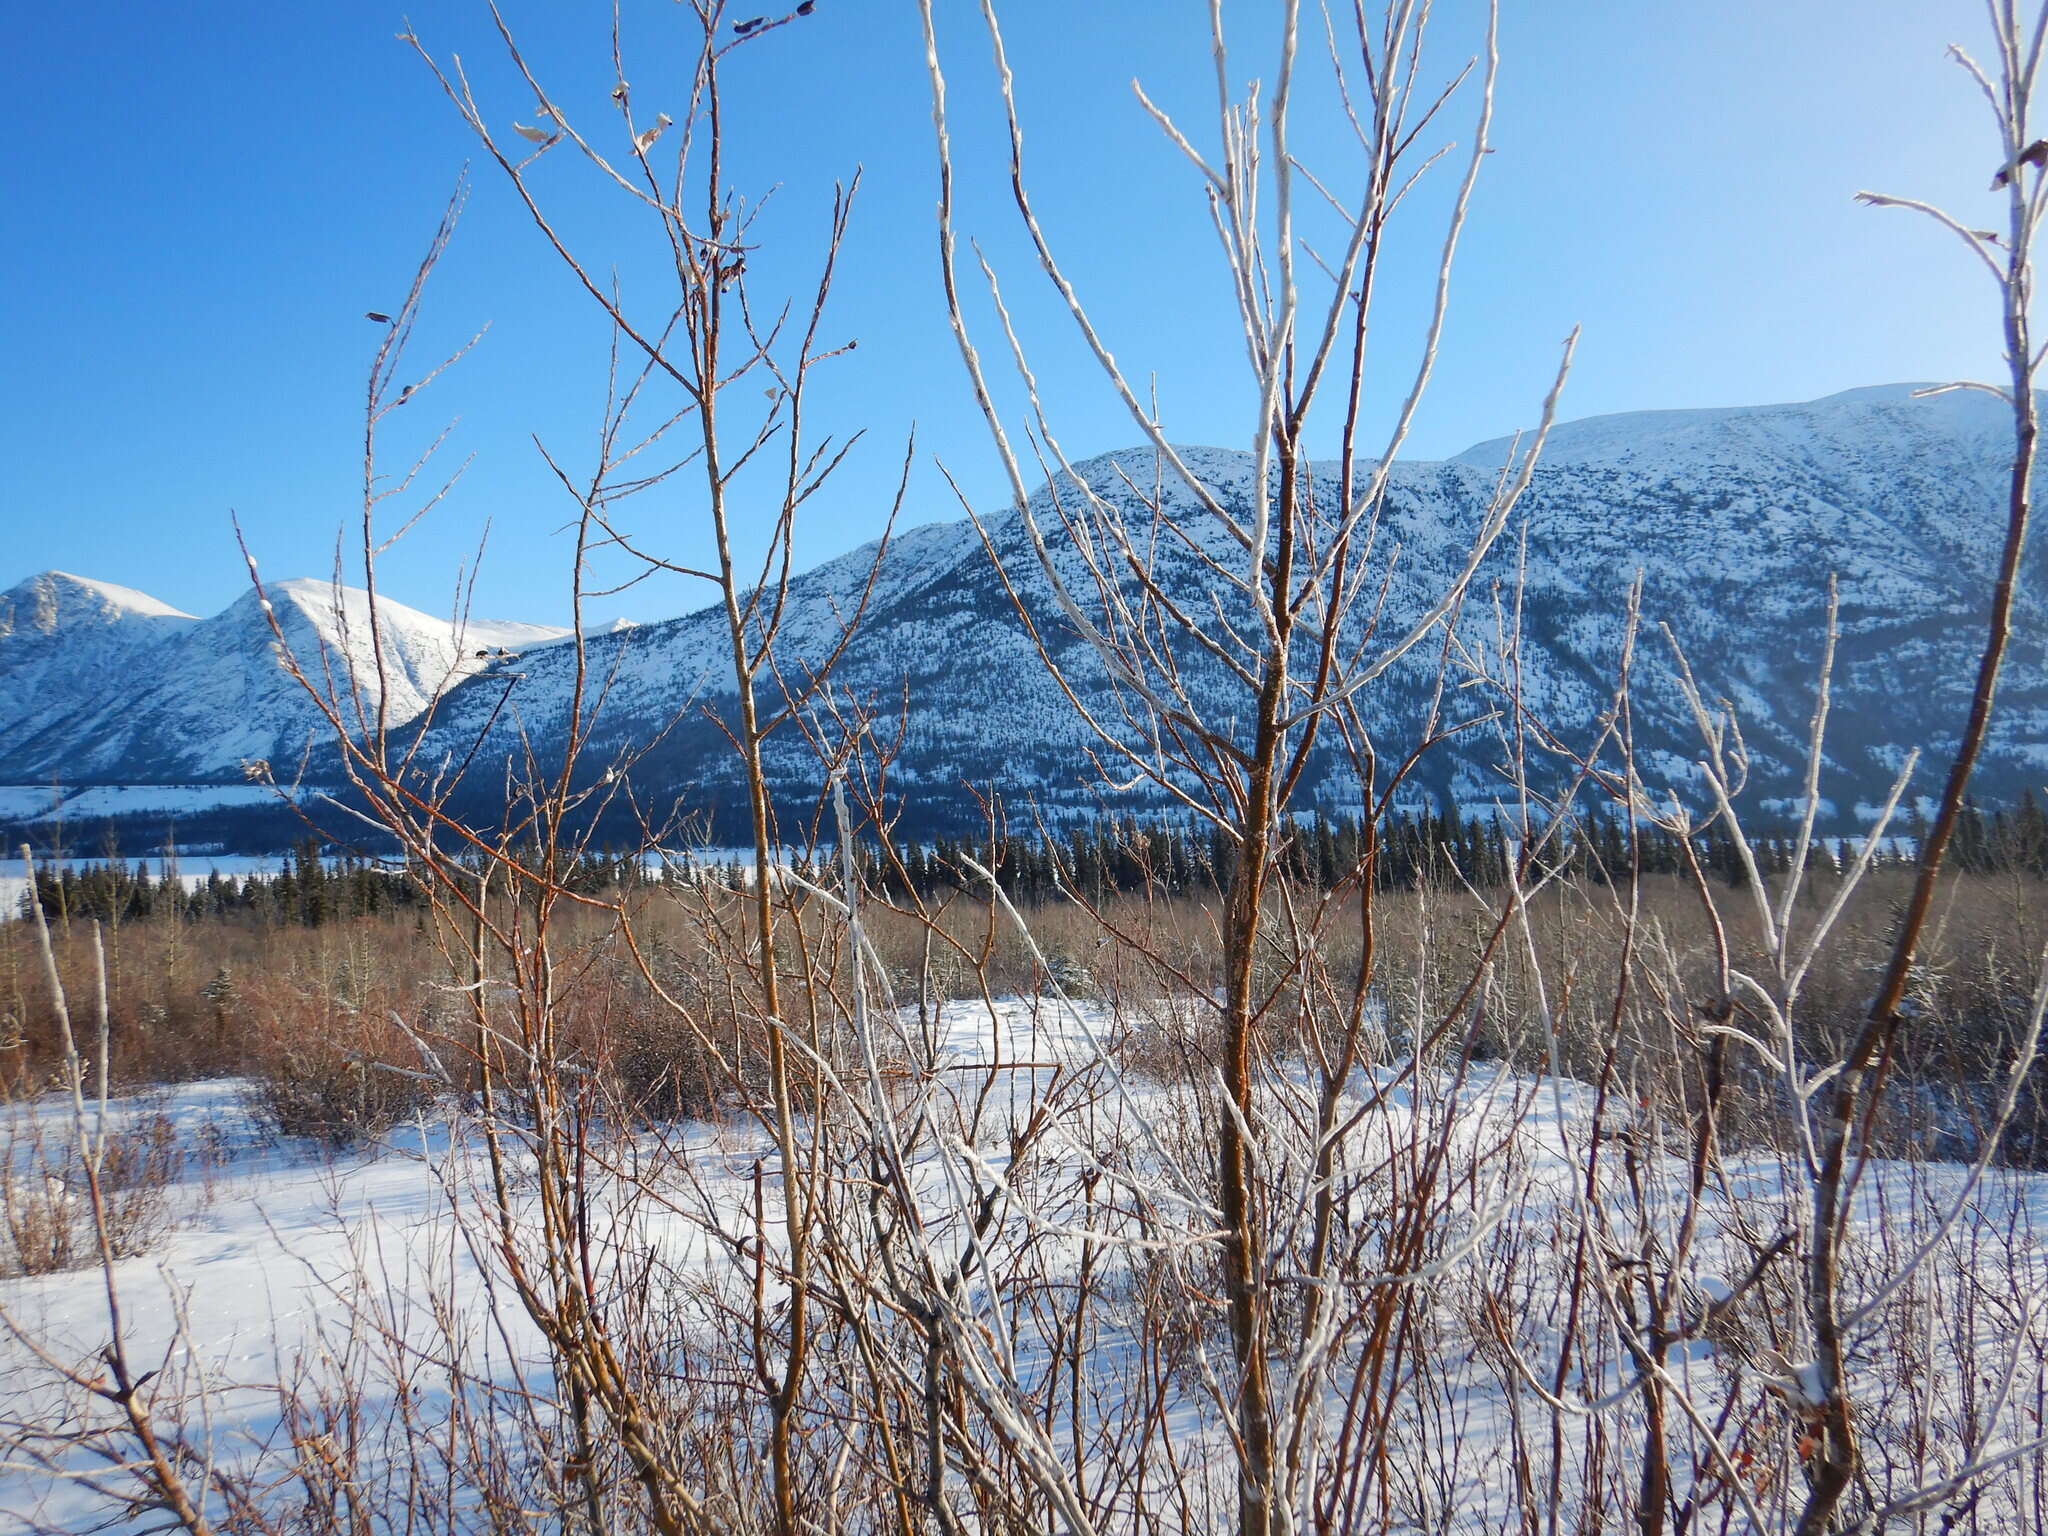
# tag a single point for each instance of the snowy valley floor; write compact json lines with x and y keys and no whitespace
{"x":292,"y":1277}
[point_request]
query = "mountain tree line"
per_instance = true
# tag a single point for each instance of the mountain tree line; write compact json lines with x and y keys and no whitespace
{"x":1105,"y":857}
{"x":310,"y":890}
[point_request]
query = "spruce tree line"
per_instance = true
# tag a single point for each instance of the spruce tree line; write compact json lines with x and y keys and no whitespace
{"x":1105,"y":857}
{"x":311,"y":889}
{"x":1116,"y":855}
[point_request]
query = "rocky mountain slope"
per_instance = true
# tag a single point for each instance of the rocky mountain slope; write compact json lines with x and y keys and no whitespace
{"x":61,"y":636}
{"x":111,"y":689}
{"x":1734,"y":520}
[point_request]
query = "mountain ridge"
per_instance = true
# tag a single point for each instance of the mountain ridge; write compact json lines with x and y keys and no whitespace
{"x":193,"y":701}
{"x":1733,"y":517}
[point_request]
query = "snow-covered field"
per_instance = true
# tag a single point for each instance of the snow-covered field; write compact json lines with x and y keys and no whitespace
{"x":19,"y":801}
{"x":289,"y":1265}
{"x":175,"y":799}
{"x":22,"y":801}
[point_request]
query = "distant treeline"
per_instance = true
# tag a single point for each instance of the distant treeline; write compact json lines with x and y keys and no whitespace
{"x":310,"y":889}
{"x":1116,"y":855}
{"x":1109,"y":857}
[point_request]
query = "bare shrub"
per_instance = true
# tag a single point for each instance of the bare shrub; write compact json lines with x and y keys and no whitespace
{"x":44,"y":1204}
{"x":326,"y":1074}
{"x":657,"y":1061}
{"x":140,"y":1165}
{"x":45,"y":1225}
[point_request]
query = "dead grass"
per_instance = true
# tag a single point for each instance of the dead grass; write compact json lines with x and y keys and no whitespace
{"x":308,"y":1014}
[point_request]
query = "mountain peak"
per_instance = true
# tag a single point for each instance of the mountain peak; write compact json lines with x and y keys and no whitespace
{"x":1723,"y":523}
{"x":52,"y":597}
{"x":1844,"y":425}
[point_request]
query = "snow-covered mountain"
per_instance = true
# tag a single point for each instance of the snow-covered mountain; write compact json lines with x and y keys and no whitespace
{"x":63,"y":636}
{"x":1734,"y":520}
{"x":153,"y":696}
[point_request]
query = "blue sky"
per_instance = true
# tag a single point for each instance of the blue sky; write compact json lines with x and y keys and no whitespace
{"x":203,"y":200}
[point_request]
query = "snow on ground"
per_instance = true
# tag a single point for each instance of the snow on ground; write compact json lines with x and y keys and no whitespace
{"x":175,"y":799}
{"x":32,"y":802}
{"x":272,"y":1235}
{"x":269,"y":1235}
{"x":274,"y":1240}
{"x":18,"y":802}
